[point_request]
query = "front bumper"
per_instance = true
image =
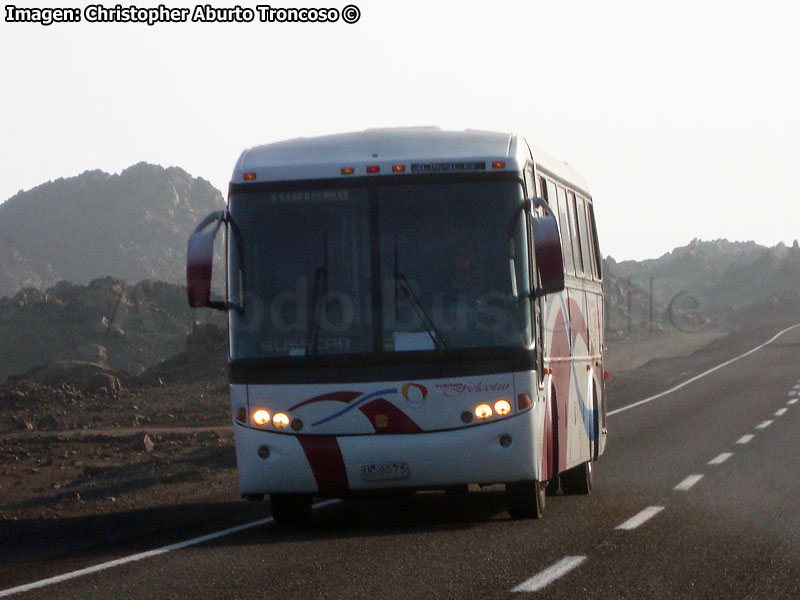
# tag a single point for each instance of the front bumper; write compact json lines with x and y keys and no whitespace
{"x":332,"y":465}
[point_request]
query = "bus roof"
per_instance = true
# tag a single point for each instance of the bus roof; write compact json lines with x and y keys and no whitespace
{"x":424,"y":148}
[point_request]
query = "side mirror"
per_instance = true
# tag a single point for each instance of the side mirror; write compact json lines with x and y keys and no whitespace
{"x":547,"y":248}
{"x":199,"y":259}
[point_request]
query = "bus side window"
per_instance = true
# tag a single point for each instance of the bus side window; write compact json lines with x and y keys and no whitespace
{"x":530,"y":182}
{"x":589,"y":259}
{"x":581,"y":261}
{"x":564,"y":226}
{"x":598,"y":258}
{"x":550,"y":196}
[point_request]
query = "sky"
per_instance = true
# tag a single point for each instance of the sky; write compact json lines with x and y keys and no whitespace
{"x":683,"y":116}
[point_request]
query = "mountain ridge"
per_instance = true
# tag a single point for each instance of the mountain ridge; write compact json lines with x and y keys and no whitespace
{"x":133,"y":225}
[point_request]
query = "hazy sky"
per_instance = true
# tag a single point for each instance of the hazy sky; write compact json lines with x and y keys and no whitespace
{"x":684,"y":116}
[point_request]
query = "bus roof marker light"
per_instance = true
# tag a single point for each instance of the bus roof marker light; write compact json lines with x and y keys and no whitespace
{"x":347,"y":170}
{"x":373,"y":169}
{"x":249,"y":176}
{"x":398,"y":168}
{"x":498,"y":164}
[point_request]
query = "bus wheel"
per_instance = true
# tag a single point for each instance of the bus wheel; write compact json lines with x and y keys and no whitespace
{"x":578,"y":480}
{"x":525,"y":499}
{"x":291,"y":510}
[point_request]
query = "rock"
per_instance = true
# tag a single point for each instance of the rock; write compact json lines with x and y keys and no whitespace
{"x":94,"y":353}
{"x":74,"y":377}
{"x":22,"y":425}
{"x":145,"y":443}
{"x":99,"y":381}
{"x":49,"y":421}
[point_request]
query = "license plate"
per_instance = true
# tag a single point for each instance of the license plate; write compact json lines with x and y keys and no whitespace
{"x":385,"y":471}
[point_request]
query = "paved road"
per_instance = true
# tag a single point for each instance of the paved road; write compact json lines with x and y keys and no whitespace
{"x":698,"y":496}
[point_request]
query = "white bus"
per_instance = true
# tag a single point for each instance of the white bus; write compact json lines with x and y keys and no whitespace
{"x":409,"y":308}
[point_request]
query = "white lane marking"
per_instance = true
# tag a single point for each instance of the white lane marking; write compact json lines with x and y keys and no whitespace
{"x":764,"y":424}
{"x":793,"y":393}
{"x":780,"y":412}
{"x":703,"y":374}
{"x":792,"y":401}
{"x":721,"y":458}
{"x":142,"y":555}
{"x":634,"y":522}
{"x":550,"y":574}
{"x":745,"y":439}
{"x":796,"y":387}
{"x":687,"y":483}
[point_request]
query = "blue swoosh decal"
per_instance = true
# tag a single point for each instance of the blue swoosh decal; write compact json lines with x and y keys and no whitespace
{"x":355,"y":404}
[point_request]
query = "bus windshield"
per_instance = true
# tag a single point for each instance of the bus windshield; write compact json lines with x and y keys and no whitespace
{"x":378,"y":269}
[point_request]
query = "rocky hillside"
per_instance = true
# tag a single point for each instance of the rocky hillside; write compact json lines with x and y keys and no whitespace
{"x":108,"y":322}
{"x":132,"y":226}
{"x":721,"y":274}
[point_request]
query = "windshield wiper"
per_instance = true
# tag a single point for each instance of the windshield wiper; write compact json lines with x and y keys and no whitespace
{"x":401,"y":282}
{"x":318,"y":292}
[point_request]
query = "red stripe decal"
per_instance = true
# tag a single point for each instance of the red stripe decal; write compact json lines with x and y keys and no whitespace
{"x":387,"y":418}
{"x":325,"y":458}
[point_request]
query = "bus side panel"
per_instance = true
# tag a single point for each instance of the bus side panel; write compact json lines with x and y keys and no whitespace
{"x":594,"y":311}
{"x":580,"y":409}
{"x":558,"y":360}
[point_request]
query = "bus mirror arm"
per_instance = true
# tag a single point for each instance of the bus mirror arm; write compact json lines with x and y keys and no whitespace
{"x":199,"y":259}
{"x":547,"y":248}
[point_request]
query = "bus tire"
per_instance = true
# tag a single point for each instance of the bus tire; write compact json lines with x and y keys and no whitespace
{"x":578,"y":480}
{"x":291,"y":510}
{"x":525,"y":499}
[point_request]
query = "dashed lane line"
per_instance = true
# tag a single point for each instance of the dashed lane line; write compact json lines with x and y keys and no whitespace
{"x":721,"y":458}
{"x":142,"y":555}
{"x":640,"y":518}
{"x":687,"y":483}
{"x":550,"y":574}
{"x":792,"y":401}
{"x":745,"y":439}
{"x":764,"y":424}
{"x":704,"y":373}
{"x":780,"y":412}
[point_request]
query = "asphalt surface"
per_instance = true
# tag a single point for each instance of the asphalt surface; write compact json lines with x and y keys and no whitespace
{"x":723,"y":508}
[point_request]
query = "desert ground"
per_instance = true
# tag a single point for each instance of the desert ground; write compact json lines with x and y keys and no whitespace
{"x":83,"y":447}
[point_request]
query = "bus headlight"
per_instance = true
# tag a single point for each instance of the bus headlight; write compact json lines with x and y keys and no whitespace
{"x":280,"y":420}
{"x":502,"y":407}
{"x":483,"y":411}
{"x":261,"y":417}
